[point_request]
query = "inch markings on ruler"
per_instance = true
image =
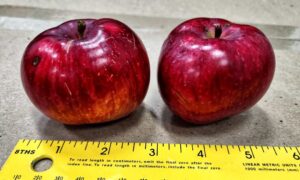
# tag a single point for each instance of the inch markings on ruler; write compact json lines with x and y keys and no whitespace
{"x":130,"y":160}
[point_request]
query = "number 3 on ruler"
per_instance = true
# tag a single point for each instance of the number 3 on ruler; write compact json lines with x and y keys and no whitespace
{"x":152,"y":152}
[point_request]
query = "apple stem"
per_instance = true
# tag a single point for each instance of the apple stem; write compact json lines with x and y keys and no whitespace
{"x":80,"y":28}
{"x":218,"y":31}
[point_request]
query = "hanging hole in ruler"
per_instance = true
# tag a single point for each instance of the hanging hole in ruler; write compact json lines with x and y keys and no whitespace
{"x":41,"y":164}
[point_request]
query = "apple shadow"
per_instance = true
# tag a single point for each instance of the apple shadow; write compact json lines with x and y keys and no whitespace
{"x":251,"y":127}
{"x":119,"y":130}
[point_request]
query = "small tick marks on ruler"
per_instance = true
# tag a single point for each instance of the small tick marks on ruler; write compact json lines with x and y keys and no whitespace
{"x":204,"y":150}
{"x":227,"y":150}
{"x":28,"y":143}
{"x":109,"y":148}
{"x":39,"y":144}
{"x":262,"y":148}
{"x":252,"y":151}
{"x":180,"y":148}
{"x":133,"y":147}
{"x":275,"y":150}
{"x":285,"y":149}
{"x":87,"y":143}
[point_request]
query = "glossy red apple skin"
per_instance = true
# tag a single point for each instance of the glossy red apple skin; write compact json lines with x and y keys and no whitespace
{"x":100,"y":76}
{"x":203,"y":79}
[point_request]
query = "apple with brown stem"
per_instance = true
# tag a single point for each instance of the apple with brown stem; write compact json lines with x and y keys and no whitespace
{"x":86,"y":71}
{"x":210,"y":69}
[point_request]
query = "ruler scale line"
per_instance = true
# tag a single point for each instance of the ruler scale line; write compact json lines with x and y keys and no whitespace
{"x":133,"y":146}
{"x":252,"y":152}
{"x":86,"y":146}
{"x":75,"y":143}
{"x":285,"y":150}
{"x":297,"y":150}
{"x":39,"y":144}
{"x":204,"y":150}
{"x":227,"y":149}
{"x":109,"y":148}
{"x":180,"y":148}
{"x":28,"y":142}
{"x":274,"y":150}
{"x":52,"y":141}
{"x":62,"y":146}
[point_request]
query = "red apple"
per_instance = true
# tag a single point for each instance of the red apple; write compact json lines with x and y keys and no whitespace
{"x":86,"y":71}
{"x":210,"y":69}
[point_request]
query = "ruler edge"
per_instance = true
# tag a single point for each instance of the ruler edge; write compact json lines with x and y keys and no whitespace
{"x":21,"y":142}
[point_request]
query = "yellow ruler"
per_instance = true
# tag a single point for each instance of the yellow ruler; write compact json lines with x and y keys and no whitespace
{"x":89,"y":160}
